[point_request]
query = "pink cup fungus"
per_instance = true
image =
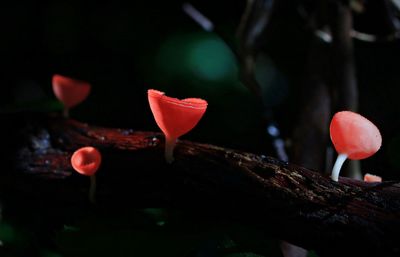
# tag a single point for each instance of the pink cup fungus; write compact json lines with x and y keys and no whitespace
{"x":353,"y":137}
{"x":372,"y":178}
{"x":86,"y":161}
{"x":70,"y":92}
{"x":175,"y":117}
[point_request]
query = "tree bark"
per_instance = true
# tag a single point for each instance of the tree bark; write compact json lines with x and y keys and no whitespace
{"x":288,"y":201}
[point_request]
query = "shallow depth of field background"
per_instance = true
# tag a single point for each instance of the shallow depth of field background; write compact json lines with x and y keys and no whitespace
{"x":124,"y":49}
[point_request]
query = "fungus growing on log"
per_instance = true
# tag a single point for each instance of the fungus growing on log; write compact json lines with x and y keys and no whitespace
{"x":372,"y":178}
{"x":86,"y":161}
{"x":353,"y":137}
{"x":70,"y":92}
{"x":175,"y":117}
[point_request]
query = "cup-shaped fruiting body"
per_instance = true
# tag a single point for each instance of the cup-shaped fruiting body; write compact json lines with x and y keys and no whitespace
{"x":175,"y":117}
{"x":86,"y":161}
{"x":70,"y":92}
{"x":372,"y":178}
{"x":353,"y":137}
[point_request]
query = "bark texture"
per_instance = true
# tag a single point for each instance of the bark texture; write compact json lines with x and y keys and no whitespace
{"x":290,"y":202}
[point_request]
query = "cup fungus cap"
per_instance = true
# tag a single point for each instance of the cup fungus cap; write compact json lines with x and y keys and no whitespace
{"x":175,"y":117}
{"x":354,"y":136}
{"x":372,"y":178}
{"x":70,"y":92}
{"x":86,"y":160}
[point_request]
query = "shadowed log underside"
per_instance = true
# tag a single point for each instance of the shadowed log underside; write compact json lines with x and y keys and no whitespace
{"x":290,"y":202}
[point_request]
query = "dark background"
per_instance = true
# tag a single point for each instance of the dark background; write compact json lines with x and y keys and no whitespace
{"x":123,"y":49}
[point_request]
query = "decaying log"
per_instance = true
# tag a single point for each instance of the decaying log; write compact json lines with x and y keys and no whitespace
{"x":290,"y":202}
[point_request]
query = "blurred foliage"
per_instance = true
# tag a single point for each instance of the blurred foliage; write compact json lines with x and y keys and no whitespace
{"x":125,"y":232}
{"x":7,"y":233}
{"x":201,"y":56}
{"x":140,"y":232}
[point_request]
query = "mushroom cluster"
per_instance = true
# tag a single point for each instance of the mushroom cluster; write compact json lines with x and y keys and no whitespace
{"x":353,"y":136}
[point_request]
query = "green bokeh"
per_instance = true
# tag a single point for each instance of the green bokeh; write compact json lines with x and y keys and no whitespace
{"x":42,"y":105}
{"x":7,"y":233}
{"x":137,"y":233}
{"x":201,"y":56}
{"x":210,"y":59}
{"x":49,"y":253}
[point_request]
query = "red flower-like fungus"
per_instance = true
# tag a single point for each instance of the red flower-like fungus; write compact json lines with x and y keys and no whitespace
{"x":372,"y":178}
{"x":86,"y":161}
{"x":70,"y":92}
{"x":175,"y":117}
{"x":354,"y":137}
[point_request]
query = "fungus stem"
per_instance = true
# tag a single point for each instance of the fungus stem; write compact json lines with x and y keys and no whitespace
{"x":338,"y":165}
{"x":92,"y":189}
{"x":169,"y":149}
{"x":66,"y":113}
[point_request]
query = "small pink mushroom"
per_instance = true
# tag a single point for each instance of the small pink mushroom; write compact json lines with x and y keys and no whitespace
{"x":353,"y":137}
{"x":175,"y":117}
{"x":86,"y":161}
{"x":70,"y":92}
{"x":372,"y":178}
